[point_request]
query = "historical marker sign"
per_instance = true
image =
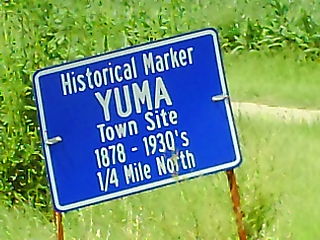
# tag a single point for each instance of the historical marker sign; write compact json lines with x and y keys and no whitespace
{"x":135,"y":119}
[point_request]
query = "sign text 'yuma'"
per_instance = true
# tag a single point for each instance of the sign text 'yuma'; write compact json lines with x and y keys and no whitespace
{"x":92,"y":79}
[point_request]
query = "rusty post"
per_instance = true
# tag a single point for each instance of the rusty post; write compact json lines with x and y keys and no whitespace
{"x":59,"y":225}
{"x":236,"y":203}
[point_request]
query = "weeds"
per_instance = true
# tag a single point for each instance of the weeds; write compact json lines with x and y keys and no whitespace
{"x":35,"y":34}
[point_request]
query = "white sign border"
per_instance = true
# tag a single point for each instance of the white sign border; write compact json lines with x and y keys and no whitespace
{"x":121,"y":52}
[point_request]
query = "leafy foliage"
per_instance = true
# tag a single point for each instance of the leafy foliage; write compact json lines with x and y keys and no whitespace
{"x":35,"y":34}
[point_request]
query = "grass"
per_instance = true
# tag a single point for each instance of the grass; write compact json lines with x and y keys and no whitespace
{"x":284,"y":173}
{"x":278,"y":183}
{"x":277,"y":79}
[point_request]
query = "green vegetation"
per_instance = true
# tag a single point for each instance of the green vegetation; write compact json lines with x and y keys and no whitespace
{"x":271,"y":50}
{"x":276,"y":79}
{"x":35,"y":34}
{"x":273,"y":179}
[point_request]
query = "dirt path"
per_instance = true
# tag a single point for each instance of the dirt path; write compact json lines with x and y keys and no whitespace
{"x":281,"y":113}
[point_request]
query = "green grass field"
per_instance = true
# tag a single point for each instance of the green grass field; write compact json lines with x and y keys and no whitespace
{"x":278,"y":183}
{"x":274,"y":79}
{"x":271,"y":52}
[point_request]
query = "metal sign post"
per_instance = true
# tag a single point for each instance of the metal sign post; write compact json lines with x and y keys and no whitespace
{"x":57,"y":217}
{"x":235,"y":197}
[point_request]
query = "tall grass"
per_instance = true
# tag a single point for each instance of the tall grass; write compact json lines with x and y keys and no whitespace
{"x":35,"y":34}
{"x":277,"y":79}
{"x":278,"y":183}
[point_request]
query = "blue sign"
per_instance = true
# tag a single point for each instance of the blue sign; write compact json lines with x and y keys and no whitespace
{"x":135,"y":119}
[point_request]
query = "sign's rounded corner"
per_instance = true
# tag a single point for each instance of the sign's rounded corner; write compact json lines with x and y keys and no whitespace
{"x":211,"y":30}
{"x":36,"y":76}
{"x":237,"y":162}
{"x":58,"y":207}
